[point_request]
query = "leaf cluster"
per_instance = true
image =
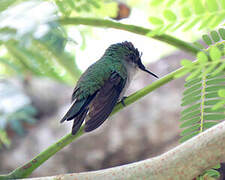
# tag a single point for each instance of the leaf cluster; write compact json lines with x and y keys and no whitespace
{"x":185,"y":15}
{"x":86,"y":7}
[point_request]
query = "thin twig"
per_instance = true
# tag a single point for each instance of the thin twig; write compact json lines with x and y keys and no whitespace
{"x":189,"y":47}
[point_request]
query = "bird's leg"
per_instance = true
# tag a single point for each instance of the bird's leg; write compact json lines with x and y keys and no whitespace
{"x":122,"y":100}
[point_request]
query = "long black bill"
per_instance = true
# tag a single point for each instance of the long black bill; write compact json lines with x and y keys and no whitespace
{"x":142,"y":67}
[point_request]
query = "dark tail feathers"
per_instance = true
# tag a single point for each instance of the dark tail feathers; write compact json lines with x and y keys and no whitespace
{"x":78,"y":111}
{"x":78,"y":120}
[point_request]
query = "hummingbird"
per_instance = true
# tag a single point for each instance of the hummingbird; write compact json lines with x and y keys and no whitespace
{"x":102,"y":85}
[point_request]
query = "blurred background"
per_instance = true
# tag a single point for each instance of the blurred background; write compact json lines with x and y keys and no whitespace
{"x":40,"y":62}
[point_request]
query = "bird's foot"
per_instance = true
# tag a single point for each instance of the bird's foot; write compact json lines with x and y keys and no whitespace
{"x":122,"y":101}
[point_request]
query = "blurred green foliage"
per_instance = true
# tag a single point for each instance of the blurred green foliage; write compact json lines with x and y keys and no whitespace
{"x":33,"y":44}
{"x":15,"y":121}
{"x":16,"y":111}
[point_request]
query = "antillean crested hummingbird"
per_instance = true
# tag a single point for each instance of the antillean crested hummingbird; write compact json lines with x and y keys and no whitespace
{"x":102,"y":85}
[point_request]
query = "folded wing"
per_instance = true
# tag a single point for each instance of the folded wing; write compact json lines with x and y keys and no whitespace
{"x":104,"y":101}
{"x":98,"y":106}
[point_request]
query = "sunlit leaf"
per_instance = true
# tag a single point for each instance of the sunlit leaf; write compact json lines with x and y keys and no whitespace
{"x":212,"y":5}
{"x":156,"y":21}
{"x":207,"y":39}
{"x":169,"y":15}
{"x":215,"y":36}
{"x":198,"y":6}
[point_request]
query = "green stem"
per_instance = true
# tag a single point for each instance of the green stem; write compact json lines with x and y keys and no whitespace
{"x":131,"y":28}
{"x":29,"y":167}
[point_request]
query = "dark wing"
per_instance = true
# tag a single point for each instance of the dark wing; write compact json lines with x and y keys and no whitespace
{"x":104,"y":101}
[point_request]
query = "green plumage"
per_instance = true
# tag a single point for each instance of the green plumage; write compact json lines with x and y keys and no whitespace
{"x":95,"y":76}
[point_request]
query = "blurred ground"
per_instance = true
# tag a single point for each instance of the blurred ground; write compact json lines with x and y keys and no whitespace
{"x":145,"y":129}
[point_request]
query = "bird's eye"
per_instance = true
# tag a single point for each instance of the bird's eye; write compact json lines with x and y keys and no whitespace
{"x":132,"y":58}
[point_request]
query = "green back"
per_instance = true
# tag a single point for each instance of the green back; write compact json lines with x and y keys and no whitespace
{"x":95,"y":76}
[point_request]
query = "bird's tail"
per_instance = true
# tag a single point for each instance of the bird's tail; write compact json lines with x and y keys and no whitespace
{"x":75,"y":108}
{"x":77,"y":112}
{"x":78,"y":120}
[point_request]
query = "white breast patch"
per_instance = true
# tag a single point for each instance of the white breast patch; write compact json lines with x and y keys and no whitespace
{"x":131,"y":71}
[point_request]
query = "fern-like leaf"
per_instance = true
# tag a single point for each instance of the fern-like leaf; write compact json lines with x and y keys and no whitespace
{"x":173,"y":15}
{"x":198,"y":114}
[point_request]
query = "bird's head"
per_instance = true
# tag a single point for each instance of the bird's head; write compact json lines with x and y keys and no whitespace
{"x":128,"y":53}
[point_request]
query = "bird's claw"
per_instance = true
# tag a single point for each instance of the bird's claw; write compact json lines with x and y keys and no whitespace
{"x":122,"y":101}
